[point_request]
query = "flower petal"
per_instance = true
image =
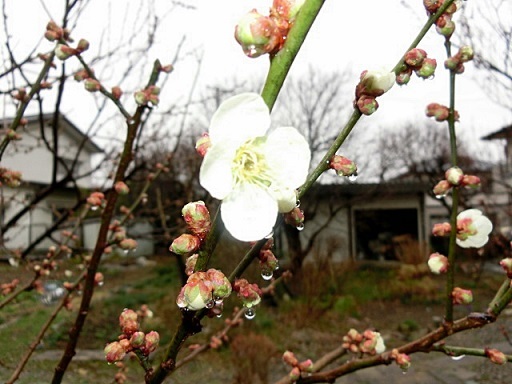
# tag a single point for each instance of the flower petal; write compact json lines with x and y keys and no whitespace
{"x":288,"y":156}
{"x":286,"y":198}
{"x":483,"y":227}
{"x":216,"y":175}
{"x":249,"y":212}
{"x":240,"y":118}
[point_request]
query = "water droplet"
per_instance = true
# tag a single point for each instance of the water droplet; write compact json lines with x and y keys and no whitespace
{"x":353,"y":177}
{"x":218,"y":300}
{"x":440,"y":196}
{"x":270,"y":235}
{"x":94,"y":208}
{"x":404,"y":372}
{"x":210,"y":304}
{"x":267,"y":274}
{"x":459,"y":357}
{"x":300,"y":227}
{"x":297,"y":204}
{"x":100,"y":284}
{"x":219,"y":315}
{"x":250,"y":314}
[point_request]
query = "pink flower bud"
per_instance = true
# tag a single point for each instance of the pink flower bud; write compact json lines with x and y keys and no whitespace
{"x":257,"y":34}
{"x":185,"y":244}
{"x":496,"y":356}
{"x":306,"y":366}
{"x":295,"y":218}
{"x":221,"y":287}
{"x":404,"y":77}
{"x":454,"y":175}
{"x":438,"y":263}
{"x":82,"y":46}
{"x":470,"y":181}
{"x":128,"y":244}
{"x":203,"y":143}
{"x":506,"y":264}
{"x":438,"y":111}
{"x":152,"y":339}
{"x":461,"y":296}
{"x":121,"y":188}
{"x":137,"y":339}
{"x":197,"y":217}
{"x":466,"y":53}
{"x":290,"y":359}
{"x":367,"y":105}
{"x":441,"y":229}
{"x":445,"y":26}
{"x":415,"y":57}
{"x":427,"y":69}
{"x":114,"y":352}
{"x":167,"y":68}
{"x":250,"y":294}
{"x":442,"y":188}
{"x":140,"y":98}
{"x":128,"y":322}
{"x":403,"y":360}
{"x":64,"y":52}
{"x":99,"y":279}
{"x":196,"y":294}
{"x":92,"y":85}
{"x":116,"y":92}
{"x":81,"y":75}
{"x":294,"y":374}
{"x":452,"y":63}
{"x":343,"y":166}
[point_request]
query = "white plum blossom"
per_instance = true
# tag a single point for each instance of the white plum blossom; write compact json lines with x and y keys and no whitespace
{"x":255,"y":174}
{"x":438,"y":263}
{"x":473,"y":229}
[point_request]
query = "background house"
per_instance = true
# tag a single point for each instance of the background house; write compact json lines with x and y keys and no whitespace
{"x":34,"y":156}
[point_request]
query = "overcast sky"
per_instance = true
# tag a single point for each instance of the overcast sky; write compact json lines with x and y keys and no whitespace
{"x":356,"y":35}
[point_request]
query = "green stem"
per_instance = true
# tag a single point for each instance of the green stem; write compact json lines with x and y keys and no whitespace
{"x":496,"y":300}
{"x":281,"y":63}
{"x":452,"y":250}
{"x":461,"y":351}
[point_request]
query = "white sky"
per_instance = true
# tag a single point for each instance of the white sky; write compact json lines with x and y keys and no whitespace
{"x":345,"y":35}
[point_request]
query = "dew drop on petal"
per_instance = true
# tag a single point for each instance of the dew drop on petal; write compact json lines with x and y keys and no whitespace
{"x":250,"y":314}
{"x":459,"y":357}
{"x":300,"y":227}
{"x":267,"y":274}
{"x":353,"y":177}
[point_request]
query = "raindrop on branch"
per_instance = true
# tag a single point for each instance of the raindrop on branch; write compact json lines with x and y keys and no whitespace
{"x":250,"y":314}
{"x":267,"y":274}
{"x":459,"y":357}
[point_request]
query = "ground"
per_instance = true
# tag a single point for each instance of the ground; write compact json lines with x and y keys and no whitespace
{"x":308,"y":317}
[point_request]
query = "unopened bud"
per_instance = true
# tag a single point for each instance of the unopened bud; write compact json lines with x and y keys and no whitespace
{"x":82,"y":46}
{"x":506,"y":264}
{"x":185,"y":244}
{"x":92,"y":85}
{"x":152,"y":340}
{"x":64,"y":52}
{"x":117,"y":92}
{"x":461,"y":296}
{"x":257,"y":34}
{"x":343,"y":166}
{"x":454,"y":176}
{"x":470,"y":181}
{"x":128,"y":244}
{"x":137,"y":339}
{"x":496,"y":356}
{"x":427,"y":69}
{"x":121,"y":188}
{"x":442,"y":188}
{"x":114,"y":352}
{"x":466,"y":53}
{"x":441,"y":229}
{"x":415,"y":57}
{"x":438,"y":263}
{"x":197,"y":217}
{"x":367,"y":105}
{"x":203,"y":143}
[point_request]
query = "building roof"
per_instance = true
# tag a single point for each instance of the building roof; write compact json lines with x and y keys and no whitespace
{"x":71,"y":129}
{"x":503,"y":133}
